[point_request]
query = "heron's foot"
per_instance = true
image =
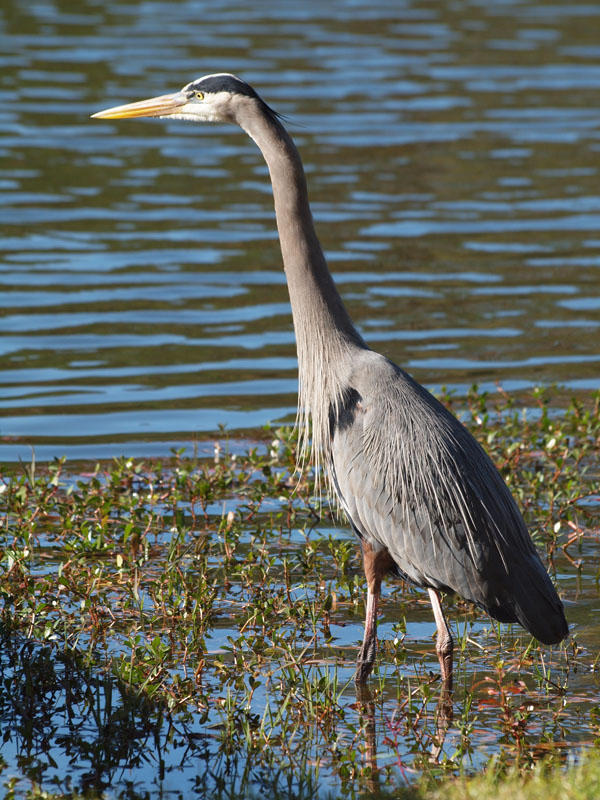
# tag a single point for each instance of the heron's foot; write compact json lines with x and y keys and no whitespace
{"x":365,"y":660}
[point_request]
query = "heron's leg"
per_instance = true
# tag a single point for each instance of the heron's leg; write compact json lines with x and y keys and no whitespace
{"x":444,"y":644}
{"x":368,"y":651}
{"x":377,"y":563}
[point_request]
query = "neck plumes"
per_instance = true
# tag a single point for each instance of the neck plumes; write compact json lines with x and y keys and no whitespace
{"x":325,"y":335}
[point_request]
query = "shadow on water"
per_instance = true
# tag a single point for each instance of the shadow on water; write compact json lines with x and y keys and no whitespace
{"x":73,"y":729}
{"x":70,"y":726}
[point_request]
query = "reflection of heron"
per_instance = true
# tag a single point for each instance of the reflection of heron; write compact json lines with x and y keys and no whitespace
{"x":422,"y":495}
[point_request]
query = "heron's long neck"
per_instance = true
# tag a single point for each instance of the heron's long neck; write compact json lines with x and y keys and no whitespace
{"x":325,"y":335}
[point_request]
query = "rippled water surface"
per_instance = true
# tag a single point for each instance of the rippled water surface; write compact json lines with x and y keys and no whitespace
{"x":452,"y":156}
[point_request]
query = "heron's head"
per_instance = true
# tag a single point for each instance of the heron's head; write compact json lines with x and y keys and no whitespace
{"x":213,"y":98}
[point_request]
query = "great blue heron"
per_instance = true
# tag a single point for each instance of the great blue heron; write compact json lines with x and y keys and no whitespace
{"x":424,"y":498}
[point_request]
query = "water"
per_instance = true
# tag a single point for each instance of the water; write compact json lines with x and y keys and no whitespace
{"x":452,"y":157}
{"x":73,"y":721}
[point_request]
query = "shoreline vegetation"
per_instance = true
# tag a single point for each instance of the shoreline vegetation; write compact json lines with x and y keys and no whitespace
{"x":209,"y":610}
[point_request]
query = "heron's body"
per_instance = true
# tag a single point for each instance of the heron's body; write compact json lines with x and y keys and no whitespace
{"x":429,"y":495}
{"x":420,"y":492}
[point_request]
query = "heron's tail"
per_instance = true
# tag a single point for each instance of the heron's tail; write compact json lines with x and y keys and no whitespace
{"x":533,"y":603}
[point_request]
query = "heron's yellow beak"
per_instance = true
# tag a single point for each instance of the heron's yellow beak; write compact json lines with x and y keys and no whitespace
{"x":162,"y":106}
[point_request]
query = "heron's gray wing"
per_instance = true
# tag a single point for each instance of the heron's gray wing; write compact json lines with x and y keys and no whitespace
{"x":412,"y":479}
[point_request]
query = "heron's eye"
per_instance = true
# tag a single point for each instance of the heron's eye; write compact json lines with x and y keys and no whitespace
{"x":200,"y":95}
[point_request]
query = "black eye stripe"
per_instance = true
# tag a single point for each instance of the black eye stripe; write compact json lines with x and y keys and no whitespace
{"x":213,"y":84}
{"x":223,"y":83}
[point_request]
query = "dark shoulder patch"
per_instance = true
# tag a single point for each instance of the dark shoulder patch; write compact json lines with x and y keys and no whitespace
{"x":346,"y":413}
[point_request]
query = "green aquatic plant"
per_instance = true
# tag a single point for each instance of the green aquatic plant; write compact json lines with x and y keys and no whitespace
{"x":211,"y":599}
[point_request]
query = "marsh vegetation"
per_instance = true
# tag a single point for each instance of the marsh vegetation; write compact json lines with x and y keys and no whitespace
{"x":190,"y":627}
